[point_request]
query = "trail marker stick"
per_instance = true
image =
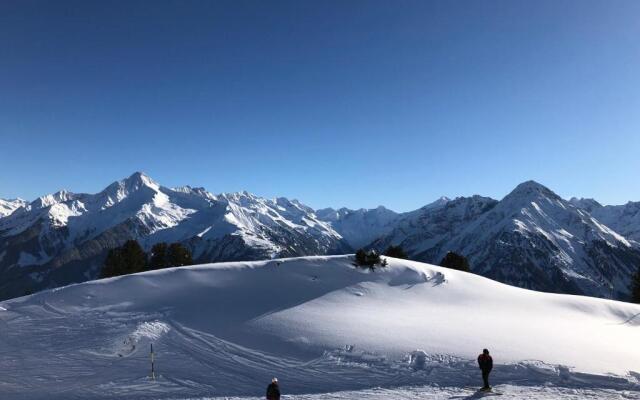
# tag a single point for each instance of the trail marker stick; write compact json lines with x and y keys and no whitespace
{"x":153,"y":371}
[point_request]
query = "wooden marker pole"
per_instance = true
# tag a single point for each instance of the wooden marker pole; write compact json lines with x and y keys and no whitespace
{"x":153,"y":371}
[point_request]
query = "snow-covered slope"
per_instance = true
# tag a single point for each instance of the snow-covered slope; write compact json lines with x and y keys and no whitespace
{"x":317,"y":323}
{"x":64,"y":237}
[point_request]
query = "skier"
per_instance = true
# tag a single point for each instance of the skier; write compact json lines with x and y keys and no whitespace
{"x":273,"y":390}
{"x":485,"y":362}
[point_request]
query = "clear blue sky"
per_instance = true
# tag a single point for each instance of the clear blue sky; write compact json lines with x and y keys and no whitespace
{"x":336,"y":103}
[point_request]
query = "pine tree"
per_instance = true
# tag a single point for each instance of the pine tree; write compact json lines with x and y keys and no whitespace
{"x":114,"y":264}
{"x":635,"y":288}
{"x":159,"y":256}
{"x":361,"y":257}
{"x":127,"y":259}
{"x":134,"y":257}
{"x":369,"y":259}
{"x":396,"y":252}
{"x":455,"y":261}
{"x":178,"y":255}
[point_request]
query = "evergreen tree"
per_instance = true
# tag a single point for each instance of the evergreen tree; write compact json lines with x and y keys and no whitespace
{"x":178,"y":255}
{"x":369,"y":259}
{"x":396,"y":252}
{"x":455,"y":261}
{"x":159,"y":256}
{"x":134,"y":257}
{"x":127,"y":259}
{"x":361,"y":257}
{"x":635,"y":288}
{"x":114,"y":264}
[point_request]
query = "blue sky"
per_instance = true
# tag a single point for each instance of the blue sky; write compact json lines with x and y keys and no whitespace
{"x":336,"y":103}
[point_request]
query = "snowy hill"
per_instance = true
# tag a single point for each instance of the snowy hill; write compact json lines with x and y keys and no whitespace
{"x":318,"y":324}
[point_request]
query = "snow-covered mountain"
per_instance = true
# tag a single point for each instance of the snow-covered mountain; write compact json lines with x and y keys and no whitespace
{"x":64,"y":237}
{"x":586,"y":204}
{"x":532,"y":238}
{"x":320,"y":325}
{"x":360,"y":227}
{"x":624,"y":219}
{"x":9,"y":206}
{"x":425,"y":233}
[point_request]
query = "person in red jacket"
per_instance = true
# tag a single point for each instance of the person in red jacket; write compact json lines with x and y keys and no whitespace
{"x":485,"y":362}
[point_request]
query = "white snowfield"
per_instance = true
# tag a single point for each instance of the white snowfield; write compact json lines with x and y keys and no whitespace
{"x":326,"y":329}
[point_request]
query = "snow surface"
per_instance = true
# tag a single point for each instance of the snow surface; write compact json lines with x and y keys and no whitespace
{"x":323,"y":327}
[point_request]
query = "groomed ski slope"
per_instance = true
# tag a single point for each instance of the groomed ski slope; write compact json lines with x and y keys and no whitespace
{"x":323,"y":327}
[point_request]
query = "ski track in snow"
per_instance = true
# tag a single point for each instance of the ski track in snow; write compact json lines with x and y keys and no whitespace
{"x":85,"y":341}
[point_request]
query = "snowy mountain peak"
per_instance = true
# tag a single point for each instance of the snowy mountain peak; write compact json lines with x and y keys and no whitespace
{"x":51,"y":199}
{"x":197,"y":191}
{"x":441,"y":201}
{"x":532,"y":189}
{"x":7,"y":207}
{"x":585,"y":204}
{"x":120,"y":190}
{"x":138,"y":180}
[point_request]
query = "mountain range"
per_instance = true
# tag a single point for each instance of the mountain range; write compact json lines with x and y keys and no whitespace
{"x":532,"y":238}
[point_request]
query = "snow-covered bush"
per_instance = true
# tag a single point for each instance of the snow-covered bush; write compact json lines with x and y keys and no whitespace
{"x":369,"y":259}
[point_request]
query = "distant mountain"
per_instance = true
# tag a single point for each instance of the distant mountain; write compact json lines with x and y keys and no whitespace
{"x":9,"y":206}
{"x":64,"y":237}
{"x":426,"y":233}
{"x":624,"y":219}
{"x":586,"y":204}
{"x":360,"y":227}
{"x":532,"y":238}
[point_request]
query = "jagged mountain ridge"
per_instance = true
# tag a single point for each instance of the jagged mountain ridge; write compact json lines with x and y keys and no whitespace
{"x":10,"y":205}
{"x":64,"y":237}
{"x":532,"y":238}
{"x":624,"y":219}
{"x":360,"y":227}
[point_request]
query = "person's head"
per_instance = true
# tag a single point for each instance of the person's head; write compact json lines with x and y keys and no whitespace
{"x":485,"y":351}
{"x":274,"y":381}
